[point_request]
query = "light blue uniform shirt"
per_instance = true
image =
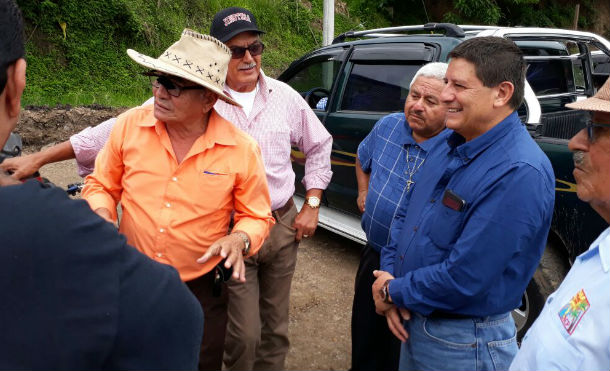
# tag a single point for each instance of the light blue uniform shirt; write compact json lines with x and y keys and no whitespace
{"x":573,"y":330}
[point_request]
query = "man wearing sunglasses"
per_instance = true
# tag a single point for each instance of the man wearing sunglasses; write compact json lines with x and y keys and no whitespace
{"x":181,"y":173}
{"x":572,"y":331}
{"x":278,"y":118}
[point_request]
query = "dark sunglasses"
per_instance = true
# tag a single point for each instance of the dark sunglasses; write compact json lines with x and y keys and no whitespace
{"x":255,"y":49}
{"x":173,"y":89}
{"x":593,"y":134}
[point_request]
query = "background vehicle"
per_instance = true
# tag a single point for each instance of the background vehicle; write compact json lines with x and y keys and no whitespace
{"x":12,"y":147}
{"x":351,"y":84}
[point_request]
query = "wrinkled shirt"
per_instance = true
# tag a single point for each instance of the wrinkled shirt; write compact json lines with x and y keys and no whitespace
{"x":573,"y":332}
{"x":280,"y":118}
{"x":173,"y":211}
{"x":87,"y":143}
{"x":477,"y":260}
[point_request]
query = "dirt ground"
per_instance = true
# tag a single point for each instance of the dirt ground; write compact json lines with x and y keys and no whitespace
{"x":322,"y":289}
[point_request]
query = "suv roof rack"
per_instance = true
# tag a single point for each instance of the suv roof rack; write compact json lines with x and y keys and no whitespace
{"x":450,"y":29}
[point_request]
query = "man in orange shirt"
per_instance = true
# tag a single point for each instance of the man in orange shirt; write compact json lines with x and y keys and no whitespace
{"x":179,"y":170}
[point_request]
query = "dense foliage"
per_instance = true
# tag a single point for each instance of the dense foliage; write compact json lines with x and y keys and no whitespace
{"x":540,"y":13}
{"x":76,"y":48}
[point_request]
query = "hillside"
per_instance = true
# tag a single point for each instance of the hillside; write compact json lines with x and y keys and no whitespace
{"x":76,"y":48}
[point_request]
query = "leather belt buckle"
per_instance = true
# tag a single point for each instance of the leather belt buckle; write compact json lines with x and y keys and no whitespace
{"x":284,"y":209}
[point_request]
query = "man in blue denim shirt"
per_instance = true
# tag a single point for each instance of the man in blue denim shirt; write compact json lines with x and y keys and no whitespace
{"x":476,"y":225}
{"x":387,"y":166}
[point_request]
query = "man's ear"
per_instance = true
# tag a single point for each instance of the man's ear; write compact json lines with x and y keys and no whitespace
{"x":503,"y":94}
{"x":209,"y":99}
{"x":15,"y":84}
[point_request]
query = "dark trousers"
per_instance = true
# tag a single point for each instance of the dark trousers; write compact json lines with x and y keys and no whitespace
{"x":374,"y":347}
{"x":215,"y":320}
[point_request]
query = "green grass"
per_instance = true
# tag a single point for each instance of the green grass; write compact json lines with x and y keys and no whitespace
{"x":90,"y":65}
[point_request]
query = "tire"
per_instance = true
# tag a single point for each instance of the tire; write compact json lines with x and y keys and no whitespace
{"x":548,"y":276}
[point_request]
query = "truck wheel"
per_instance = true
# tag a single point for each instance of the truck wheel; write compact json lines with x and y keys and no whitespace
{"x":548,"y":276}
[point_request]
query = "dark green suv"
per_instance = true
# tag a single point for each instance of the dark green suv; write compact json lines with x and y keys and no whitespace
{"x":352,"y":84}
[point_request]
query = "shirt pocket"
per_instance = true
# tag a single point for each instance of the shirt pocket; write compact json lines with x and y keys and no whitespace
{"x":446,"y":226}
{"x":443,"y":231}
{"x":546,"y":348}
{"x":216,"y":189}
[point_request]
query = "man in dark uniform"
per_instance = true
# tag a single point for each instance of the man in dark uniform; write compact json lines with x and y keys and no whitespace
{"x":74,"y":294}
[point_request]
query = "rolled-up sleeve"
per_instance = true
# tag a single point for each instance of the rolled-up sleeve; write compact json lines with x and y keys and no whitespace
{"x":88,"y":143}
{"x":316,"y":143}
{"x":252,"y":202}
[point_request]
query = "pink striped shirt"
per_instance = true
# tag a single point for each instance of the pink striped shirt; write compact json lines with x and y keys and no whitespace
{"x":88,"y":142}
{"x":280,"y":118}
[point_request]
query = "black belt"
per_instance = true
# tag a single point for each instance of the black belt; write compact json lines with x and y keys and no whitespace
{"x":446,"y":315}
{"x":284,"y":209}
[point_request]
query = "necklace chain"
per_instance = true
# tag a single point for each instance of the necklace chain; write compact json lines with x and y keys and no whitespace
{"x":416,"y":166}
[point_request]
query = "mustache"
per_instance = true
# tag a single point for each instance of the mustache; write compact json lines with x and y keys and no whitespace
{"x":578,"y":157}
{"x":416,"y":115}
{"x":249,"y":65}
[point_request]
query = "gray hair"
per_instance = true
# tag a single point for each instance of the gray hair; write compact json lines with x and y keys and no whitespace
{"x":436,"y":70}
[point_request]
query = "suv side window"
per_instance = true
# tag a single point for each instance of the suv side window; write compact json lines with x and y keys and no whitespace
{"x":315,"y":79}
{"x":381,"y":87}
{"x":556,"y":72}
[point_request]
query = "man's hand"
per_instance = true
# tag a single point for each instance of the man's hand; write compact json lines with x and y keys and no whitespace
{"x":362,"y":199}
{"x":392,"y":313}
{"x":21,"y":167}
{"x":229,"y":247}
{"x":395,"y":317}
{"x":6,"y":180}
{"x":306,"y":222}
{"x":380,"y":306}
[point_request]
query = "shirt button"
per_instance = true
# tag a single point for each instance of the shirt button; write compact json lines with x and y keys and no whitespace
{"x":168,"y":205}
{"x":174,"y":179}
{"x":415,"y":229}
{"x":162,"y":230}
{"x":432,"y":201}
{"x":410,"y":159}
{"x":159,"y":255}
{"x":402,"y":257}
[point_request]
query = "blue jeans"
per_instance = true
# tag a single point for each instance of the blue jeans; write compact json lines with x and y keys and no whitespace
{"x":480,"y":343}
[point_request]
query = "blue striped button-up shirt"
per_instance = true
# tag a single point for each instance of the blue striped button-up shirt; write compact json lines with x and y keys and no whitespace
{"x":389,"y":153}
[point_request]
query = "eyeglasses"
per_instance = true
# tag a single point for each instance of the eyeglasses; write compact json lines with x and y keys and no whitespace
{"x":593,"y":134}
{"x":156,"y":81}
{"x":255,"y":49}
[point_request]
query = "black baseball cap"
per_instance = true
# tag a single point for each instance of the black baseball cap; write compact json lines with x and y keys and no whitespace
{"x":229,"y":22}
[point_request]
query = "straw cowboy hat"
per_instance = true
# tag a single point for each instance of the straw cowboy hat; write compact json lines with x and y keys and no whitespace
{"x":599,"y":102}
{"x":199,"y":58}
